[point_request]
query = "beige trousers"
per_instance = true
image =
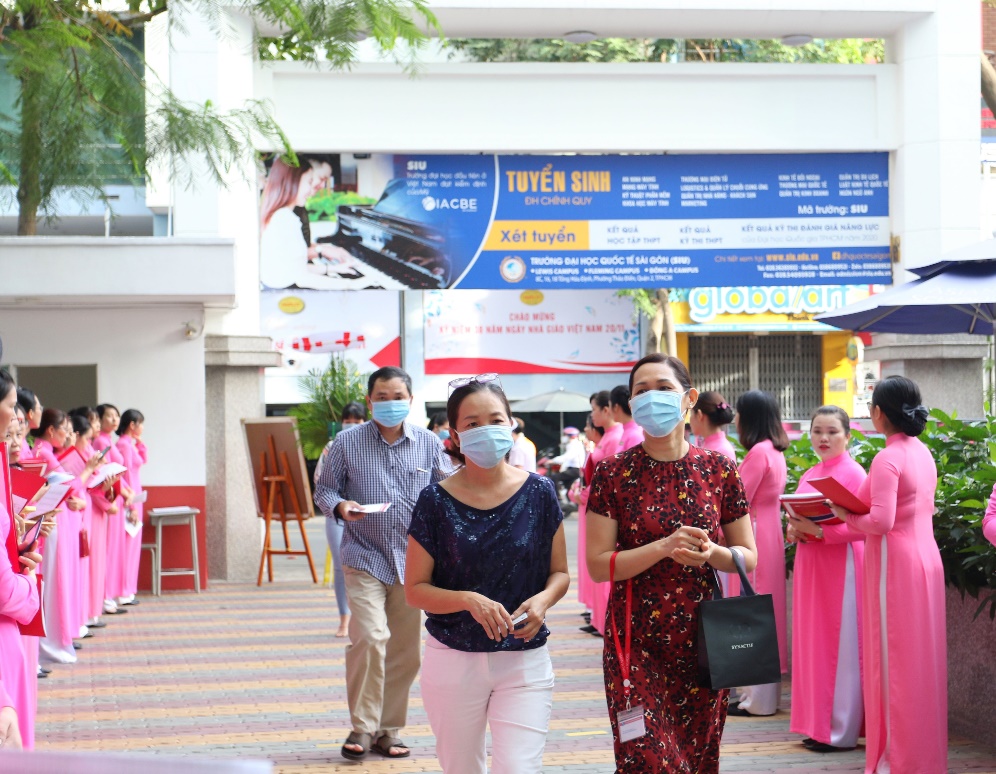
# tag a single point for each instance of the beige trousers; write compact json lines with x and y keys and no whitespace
{"x":383,"y":655}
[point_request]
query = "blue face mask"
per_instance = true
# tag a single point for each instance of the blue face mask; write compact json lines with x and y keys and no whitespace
{"x":391,"y":413}
{"x":658,"y":412}
{"x":444,"y":435}
{"x":487,"y":445}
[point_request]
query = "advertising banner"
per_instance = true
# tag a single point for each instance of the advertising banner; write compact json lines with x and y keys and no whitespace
{"x":772,"y":308}
{"x":529,"y":332}
{"x":576,"y":221}
{"x":307,"y":327}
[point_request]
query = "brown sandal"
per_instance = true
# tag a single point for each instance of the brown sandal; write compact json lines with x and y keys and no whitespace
{"x":384,"y":744}
{"x":360,"y":740}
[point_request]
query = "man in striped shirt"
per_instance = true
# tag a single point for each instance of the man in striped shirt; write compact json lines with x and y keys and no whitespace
{"x":387,"y":460}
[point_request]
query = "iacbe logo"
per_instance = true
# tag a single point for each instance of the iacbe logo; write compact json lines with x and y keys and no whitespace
{"x":430,"y":203}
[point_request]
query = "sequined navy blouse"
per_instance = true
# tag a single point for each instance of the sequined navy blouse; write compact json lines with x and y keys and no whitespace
{"x":502,"y":553}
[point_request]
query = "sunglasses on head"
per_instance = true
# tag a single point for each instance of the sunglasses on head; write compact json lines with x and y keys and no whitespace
{"x":463,"y":381}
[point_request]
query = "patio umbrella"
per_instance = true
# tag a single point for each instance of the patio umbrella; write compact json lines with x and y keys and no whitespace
{"x":949,"y":297}
{"x":558,"y":401}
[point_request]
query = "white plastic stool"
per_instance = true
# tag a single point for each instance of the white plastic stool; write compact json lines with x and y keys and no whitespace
{"x":168,"y":517}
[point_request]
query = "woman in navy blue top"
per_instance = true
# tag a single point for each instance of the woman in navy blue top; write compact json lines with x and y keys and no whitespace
{"x":486,"y":559}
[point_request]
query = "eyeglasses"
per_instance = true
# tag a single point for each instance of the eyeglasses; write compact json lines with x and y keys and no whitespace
{"x":463,"y":381}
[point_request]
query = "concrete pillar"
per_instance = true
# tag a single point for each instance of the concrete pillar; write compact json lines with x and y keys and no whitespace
{"x":935,"y":190}
{"x":234,"y":374}
{"x":936,"y":181}
{"x":211,"y":60}
{"x":947,"y":368}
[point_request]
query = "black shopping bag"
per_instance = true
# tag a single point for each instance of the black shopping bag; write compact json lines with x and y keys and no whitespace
{"x":738,"y":639}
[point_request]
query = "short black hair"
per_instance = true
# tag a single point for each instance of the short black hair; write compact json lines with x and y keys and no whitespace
{"x":80,"y":422}
{"x":354,"y":410}
{"x":27,"y":399}
{"x":620,"y":397}
{"x":437,"y":420}
{"x":6,"y":385}
{"x":760,"y":420}
{"x":103,"y":408}
{"x":51,"y":417}
{"x":900,"y":401}
{"x":457,"y":398}
{"x":833,"y":411}
{"x":679,"y":368}
{"x":386,"y":374}
{"x":129,"y":416}
{"x":600,"y":398}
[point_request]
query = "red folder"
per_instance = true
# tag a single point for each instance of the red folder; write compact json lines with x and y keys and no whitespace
{"x":34,"y":466}
{"x":36,"y":627}
{"x":838,"y":494}
{"x":810,"y":505}
{"x":23,"y":487}
{"x":72,"y":461}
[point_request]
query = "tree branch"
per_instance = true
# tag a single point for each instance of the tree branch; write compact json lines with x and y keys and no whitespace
{"x":988,"y":82}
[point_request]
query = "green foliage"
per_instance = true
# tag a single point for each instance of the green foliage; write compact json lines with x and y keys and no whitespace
{"x":327,"y":392}
{"x":325,"y":204}
{"x":965,"y":453}
{"x":328,"y":32}
{"x":644,"y":300}
{"x":90,"y":112}
{"x":668,"y":50}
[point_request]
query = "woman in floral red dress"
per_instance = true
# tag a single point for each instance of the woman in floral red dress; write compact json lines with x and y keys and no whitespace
{"x":654,"y":517}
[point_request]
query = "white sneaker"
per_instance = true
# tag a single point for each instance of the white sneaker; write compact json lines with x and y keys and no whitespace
{"x":126,"y":600}
{"x":110,"y":607}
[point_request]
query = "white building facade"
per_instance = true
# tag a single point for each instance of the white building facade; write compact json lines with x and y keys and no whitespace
{"x":175,"y":327}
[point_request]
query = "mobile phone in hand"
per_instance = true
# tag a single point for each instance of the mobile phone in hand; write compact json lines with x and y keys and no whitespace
{"x":521,"y":618}
{"x":31,"y":536}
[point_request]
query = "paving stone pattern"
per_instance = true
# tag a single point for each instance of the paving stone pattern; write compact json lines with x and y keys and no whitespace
{"x":257,"y":673}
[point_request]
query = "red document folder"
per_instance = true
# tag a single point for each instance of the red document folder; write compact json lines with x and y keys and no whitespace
{"x":23,"y":487}
{"x":838,"y":494}
{"x":810,"y":505}
{"x":35,"y":628}
{"x":72,"y":461}
{"x":34,"y":466}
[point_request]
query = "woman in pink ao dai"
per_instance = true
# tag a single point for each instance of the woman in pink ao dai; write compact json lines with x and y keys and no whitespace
{"x":904,"y":639}
{"x":826,"y":613}
{"x":763,"y":472}
{"x":134,"y":456}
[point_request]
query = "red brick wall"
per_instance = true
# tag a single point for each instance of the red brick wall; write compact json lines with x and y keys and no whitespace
{"x":988,"y":28}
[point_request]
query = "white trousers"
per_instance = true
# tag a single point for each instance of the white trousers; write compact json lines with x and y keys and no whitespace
{"x":760,"y":699}
{"x":464,"y":693}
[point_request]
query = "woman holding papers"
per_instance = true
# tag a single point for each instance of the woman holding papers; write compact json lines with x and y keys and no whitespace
{"x":62,"y":549}
{"x":826,"y":666}
{"x":709,"y":418}
{"x":18,"y":598}
{"x":487,"y":559}
{"x":903,"y":636}
{"x":82,"y":453}
{"x":111,"y":504}
{"x":135,"y":455}
{"x":759,"y":424}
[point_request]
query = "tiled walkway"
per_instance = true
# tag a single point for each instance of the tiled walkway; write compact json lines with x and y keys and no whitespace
{"x":257,"y":673}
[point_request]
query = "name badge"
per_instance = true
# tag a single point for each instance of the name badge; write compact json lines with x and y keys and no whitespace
{"x":630,"y":723}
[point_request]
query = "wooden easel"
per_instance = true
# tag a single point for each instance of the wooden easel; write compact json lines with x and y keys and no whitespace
{"x":277,"y":483}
